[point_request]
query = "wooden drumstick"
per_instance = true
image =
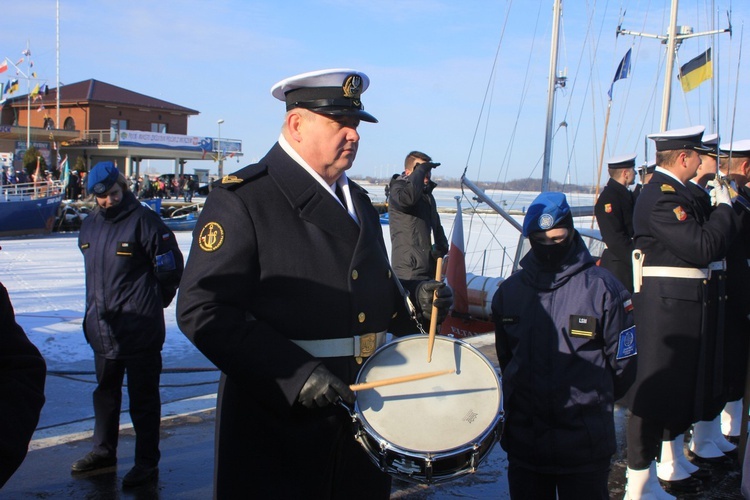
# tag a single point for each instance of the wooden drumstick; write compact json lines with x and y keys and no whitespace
{"x":433,"y":317}
{"x":398,"y":380}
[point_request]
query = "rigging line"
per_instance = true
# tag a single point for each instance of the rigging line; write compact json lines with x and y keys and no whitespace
{"x":633,"y":135}
{"x":684,"y":95}
{"x":736,"y":90}
{"x":486,"y":92}
{"x":592,"y":44}
{"x":521,"y":102}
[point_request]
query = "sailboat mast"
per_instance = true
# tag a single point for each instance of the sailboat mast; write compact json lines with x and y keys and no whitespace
{"x":557,"y":13}
{"x":671,"y":50}
{"x":57,"y":57}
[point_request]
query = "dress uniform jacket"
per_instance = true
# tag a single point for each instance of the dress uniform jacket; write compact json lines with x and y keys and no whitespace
{"x":671,"y":231}
{"x":275,"y":258}
{"x":738,"y":306}
{"x":614,"y":215}
{"x":565,"y":341}
{"x":713,"y":347}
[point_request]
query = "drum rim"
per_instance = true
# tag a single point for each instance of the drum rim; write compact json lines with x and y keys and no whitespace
{"x":498,"y":419}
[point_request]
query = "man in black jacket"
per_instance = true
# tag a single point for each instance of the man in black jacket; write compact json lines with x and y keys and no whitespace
{"x":414,"y":221}
{"x":614,"y":215}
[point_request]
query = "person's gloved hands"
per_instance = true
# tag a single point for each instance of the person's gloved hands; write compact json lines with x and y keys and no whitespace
{"x":443,"y":301}
{"x":438,"y":251}
{"x":323,"y":388}
{"x":720,"y":194}
{"x":429,"y":164}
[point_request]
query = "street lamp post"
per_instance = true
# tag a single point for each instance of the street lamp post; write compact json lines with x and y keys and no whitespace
{"x":219,"y":152}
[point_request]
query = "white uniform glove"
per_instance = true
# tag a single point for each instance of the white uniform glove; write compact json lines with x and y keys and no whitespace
{"x":720,"y":194}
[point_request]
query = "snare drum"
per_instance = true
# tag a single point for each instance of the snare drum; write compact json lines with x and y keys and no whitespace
{"x":434,"y":429}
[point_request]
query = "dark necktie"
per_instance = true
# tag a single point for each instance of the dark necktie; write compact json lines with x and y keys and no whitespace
{"x":341,"y":196}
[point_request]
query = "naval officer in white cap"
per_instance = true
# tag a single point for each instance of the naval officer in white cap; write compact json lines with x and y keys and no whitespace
{"x":675,"y":244}
{"x":287,"y":289}
{"x":614,"y":215}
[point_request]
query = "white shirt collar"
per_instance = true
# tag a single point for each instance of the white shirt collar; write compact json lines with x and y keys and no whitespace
{"x":668,"y":173}
{"x":343,"y":181}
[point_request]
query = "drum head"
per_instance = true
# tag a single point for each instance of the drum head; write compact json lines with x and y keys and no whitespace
{"x":436,"y":414}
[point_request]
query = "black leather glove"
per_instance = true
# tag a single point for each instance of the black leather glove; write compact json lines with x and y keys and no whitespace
{"x":438,"y":252}
{"x":429,"y":164}
{"x":443,"y":301}
{"x":323,"y":388}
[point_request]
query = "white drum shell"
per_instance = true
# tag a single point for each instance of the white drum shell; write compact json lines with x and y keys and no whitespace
{"x":433,"y":429}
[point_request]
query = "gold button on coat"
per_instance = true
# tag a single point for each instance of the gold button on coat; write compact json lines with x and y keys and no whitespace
{"x":361,"y":317}
{"x":355,"y":274}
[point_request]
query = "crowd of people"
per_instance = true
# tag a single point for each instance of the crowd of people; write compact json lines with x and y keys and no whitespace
{"x":288,"y":288}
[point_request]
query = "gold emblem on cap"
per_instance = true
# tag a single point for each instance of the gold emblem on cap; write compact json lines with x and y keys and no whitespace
{"x":211,"y":237}
{"x":353,"y":88}
{"x":230,"y":179}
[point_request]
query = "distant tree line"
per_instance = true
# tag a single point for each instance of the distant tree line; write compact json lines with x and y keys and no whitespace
{"x":514,"y":185}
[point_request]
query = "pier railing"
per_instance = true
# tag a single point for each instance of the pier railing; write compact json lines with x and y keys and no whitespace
{"x":30,"y":190}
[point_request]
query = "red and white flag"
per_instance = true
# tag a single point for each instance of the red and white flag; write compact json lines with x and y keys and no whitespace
{"x":456,"y":272}
{"x":3,"y":66}
{"x":459,"y":323}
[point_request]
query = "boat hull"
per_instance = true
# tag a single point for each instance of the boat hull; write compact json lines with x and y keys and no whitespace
{"x":24,"y":217}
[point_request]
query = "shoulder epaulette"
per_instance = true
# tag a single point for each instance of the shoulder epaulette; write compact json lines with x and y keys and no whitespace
{"x":666,"y":188}
{"x":234,"y":180}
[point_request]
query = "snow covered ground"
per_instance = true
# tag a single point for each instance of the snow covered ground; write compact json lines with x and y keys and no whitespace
{"x":44,"y":277}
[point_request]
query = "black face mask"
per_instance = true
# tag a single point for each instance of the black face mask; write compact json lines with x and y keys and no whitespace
{"x":551,"y":256}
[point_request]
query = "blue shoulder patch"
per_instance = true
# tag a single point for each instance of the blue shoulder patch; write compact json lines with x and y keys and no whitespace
{"x":627,"y":346}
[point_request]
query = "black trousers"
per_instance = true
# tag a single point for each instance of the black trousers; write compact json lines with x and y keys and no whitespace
{"x":644,"y":440}
{"x":145,"y":405}
{"x":525,"y":484}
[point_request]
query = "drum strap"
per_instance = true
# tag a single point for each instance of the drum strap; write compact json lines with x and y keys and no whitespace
{"x":357,"y":346}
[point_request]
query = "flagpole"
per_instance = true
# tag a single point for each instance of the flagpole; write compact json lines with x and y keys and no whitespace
{"x":601,"y":156}
{"x":28,"y":99}
{"x":57,"y":97}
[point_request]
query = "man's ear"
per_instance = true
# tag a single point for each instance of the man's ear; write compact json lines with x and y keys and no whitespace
{"x":293,"y":125}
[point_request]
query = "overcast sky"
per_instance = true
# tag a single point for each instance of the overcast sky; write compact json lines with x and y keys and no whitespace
{"x":435,"y":83}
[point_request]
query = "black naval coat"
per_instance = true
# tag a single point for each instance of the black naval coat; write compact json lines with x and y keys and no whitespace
{"x":713,"y":349}
{"x":22,"y":376}
{"x":738,"y":306}
{"x":275,"y":258}
{"x":671,"y":230}
{"x":614,"y":215}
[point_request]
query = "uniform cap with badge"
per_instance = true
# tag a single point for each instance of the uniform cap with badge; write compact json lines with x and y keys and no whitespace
{"x":333,"y":92}
{"x":682,"y":138}
{"x":548,"y":210}
{"x":711,"y":141}
{"x":102,"y":177}
{"x":647,"y":168}
{"x":622,"y":161}
{"x":738,"y":149}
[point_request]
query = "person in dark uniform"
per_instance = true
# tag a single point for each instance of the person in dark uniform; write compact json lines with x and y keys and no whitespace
{"x":736,"y":167}
{"x":645,"y":172}
{"x":614,"y":215}
{"x":287,"y":289}
{"x":413,"y":220}
{"x":566,"y":345}
{"x":132,"y":266}
{"x":22,"y":378}
{"x":673,"y":466}
{"x":675,"y":244}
